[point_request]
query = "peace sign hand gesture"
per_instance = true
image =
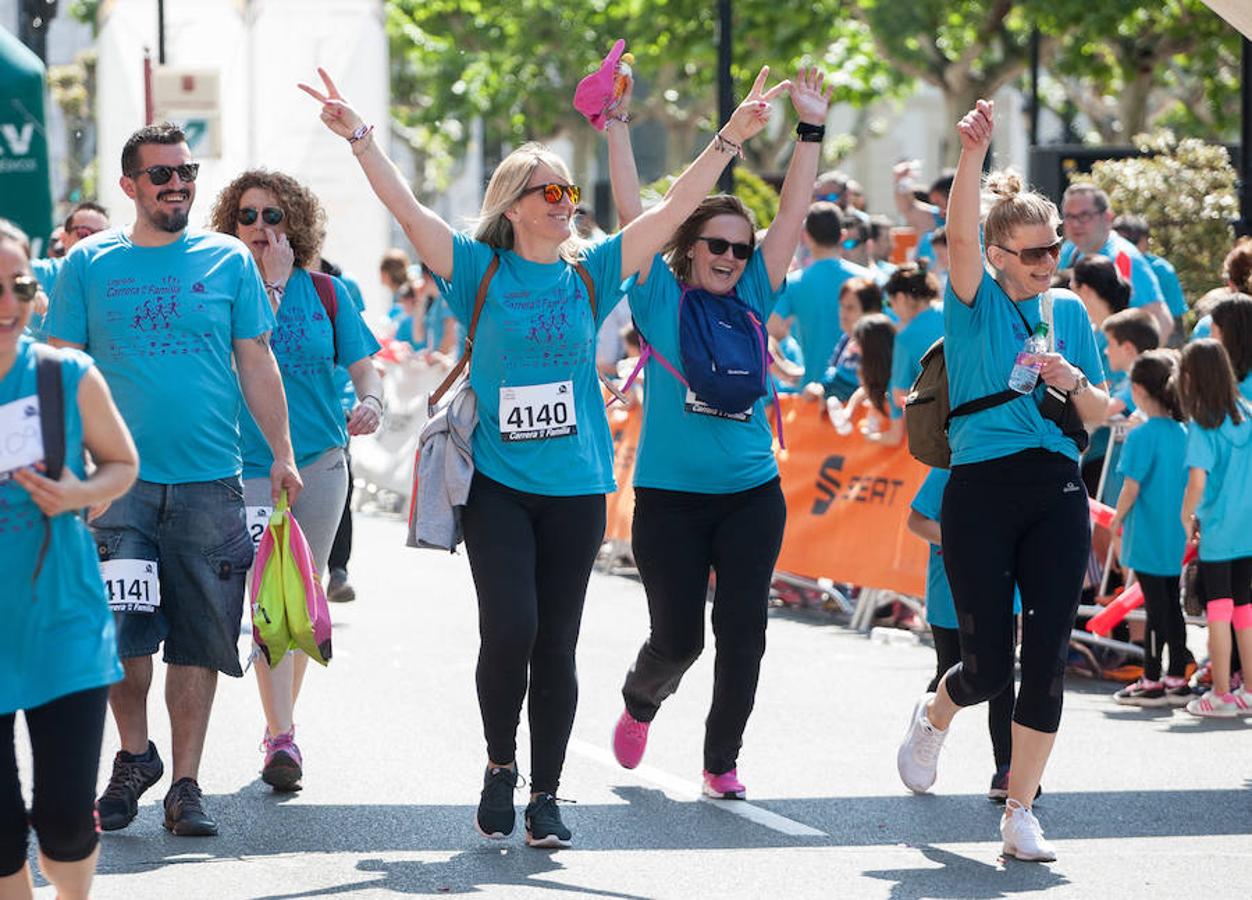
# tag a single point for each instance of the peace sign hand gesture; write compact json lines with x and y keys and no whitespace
{"x":810,"y":95}
{"x":337,"y":115}
{"x":752,"y":114}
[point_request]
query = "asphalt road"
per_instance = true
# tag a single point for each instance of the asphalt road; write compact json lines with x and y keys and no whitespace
{"x":1140,"y":804}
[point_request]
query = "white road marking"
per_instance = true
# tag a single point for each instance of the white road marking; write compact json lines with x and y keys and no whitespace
{"x":686,"y":791}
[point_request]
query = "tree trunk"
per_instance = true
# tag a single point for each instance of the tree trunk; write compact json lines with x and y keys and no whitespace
{"x":959,"y":97}
{"x":1133,"y":103}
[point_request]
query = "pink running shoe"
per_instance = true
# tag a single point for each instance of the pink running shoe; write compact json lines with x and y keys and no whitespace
{"x":283,"y":764}
{"x":726,"y":786}
{"x":630,"y":739}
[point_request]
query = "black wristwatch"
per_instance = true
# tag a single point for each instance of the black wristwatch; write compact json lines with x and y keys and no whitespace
{"x":812,"y":134}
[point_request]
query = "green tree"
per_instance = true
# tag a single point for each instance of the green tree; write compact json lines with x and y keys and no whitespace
{"x":1186,"y":190}
{"x":1173,"y":62}
{"x":515,"y":64}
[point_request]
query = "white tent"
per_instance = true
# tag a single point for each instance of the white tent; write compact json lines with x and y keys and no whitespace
{"x":260,"y":49}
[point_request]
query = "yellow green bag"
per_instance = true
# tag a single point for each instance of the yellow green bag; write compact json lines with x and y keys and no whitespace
{"x":289,"y":608}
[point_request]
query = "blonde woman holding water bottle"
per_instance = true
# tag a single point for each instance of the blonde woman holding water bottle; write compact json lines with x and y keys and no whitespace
{"x":1014,"y":511}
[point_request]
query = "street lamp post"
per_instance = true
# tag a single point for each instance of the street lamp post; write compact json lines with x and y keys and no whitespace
{"x":725,"y":88}
{"x":1243,"y":225}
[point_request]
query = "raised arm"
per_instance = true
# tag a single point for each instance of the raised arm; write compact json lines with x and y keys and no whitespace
{"x":810,"y":96}
{"x":964,"y":206}
{"x":623,"y":172}
{"x":915,"y":213}
{"x":430,"y":235}
{"x":646,"y":235}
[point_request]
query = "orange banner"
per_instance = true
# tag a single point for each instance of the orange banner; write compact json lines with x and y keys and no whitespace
{"x":847,"y":501}
{"x":848,"y":505}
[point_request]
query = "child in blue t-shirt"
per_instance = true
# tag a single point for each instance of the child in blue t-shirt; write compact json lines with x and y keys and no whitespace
{"x":941,"y":616}
{"x":1127,"y":335}
{"x":1153,"y":541}
{"x":1219,"y":459}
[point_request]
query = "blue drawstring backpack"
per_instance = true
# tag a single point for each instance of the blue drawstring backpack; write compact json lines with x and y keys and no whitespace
{"x":725,"y":353}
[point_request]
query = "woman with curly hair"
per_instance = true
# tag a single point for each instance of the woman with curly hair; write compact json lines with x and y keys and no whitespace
{"x":318,"y":328}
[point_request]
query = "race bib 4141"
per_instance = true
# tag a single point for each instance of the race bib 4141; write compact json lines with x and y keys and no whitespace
{"x":133,"y":585}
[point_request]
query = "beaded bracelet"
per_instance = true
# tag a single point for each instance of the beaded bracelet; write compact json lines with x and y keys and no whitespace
{"x":724,"y":144}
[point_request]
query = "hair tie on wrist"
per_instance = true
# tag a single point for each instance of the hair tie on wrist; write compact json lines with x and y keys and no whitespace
{"x":361,"y":132}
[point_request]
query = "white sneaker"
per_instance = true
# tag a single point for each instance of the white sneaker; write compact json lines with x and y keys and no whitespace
{"x":918,"y":758}
{"x":1213,"y":706}
{"x":1023,"y":835}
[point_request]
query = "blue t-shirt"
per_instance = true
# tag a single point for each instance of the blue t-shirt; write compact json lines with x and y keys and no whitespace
{"x":537,"y":330}
{"x":843,"y":375}
{"x":911,"y":343}
{"x":1203,"y":329}
{"x":1130,"y":263}
{"x":682,"y":449}
{"x":309,"y":348}
{"x":159,"y":322}
{"x":940,"y":607}
{"x":1225,"y":515}
{"x":1153,"y":540}
{"x":1171,"y":287}
{"x":981,"y":344}
{"x":812,"y":296}
{"x":45,"y":272}
{"x":404,"y":332}
{"x":58,"y":635}
{"x":343,"y":381}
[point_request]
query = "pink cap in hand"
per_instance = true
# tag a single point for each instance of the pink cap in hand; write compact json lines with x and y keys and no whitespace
{"x":594,"y":93}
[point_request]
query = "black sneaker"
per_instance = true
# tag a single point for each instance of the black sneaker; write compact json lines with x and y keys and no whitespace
{"x":185,"y":814}
{"x":544,"y":827}
{"x":1143,"y":693}
{"x":999,"y":790}
{"x":495,"y":815}
{"x":132,"y":775}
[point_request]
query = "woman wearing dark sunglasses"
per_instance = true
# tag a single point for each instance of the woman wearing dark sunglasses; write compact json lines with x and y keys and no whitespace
{"x":542,"y":451}
{"x":707,"y":492}
{"x":1014,"y":510}
{"x":283,"y":225}
{"x":58,"y":650}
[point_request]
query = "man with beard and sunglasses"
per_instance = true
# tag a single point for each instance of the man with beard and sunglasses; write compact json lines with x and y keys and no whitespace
{"x":164,"y":310}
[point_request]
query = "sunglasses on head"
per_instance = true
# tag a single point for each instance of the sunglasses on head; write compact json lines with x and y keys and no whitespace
{"x":1034,"y":255}
{"x":718,"y":246}
{"x":187,"y":173}
{"x":271,"y":215}
{"x":553,"y":192}
{"x":24,"y":288}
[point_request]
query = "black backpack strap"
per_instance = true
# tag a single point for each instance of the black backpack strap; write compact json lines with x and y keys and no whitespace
{"x":51,"y":391}
{"x":979,"y":404}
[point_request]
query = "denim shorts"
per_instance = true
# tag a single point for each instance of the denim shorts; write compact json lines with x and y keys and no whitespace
{"x":196,"y":534}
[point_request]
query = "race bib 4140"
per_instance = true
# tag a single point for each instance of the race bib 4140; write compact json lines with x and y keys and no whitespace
{"x":133,"y":585}
{"x":538,"y":412}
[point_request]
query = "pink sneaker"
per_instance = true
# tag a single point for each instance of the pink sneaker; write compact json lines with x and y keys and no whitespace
{"x":726,"y":786}
{"x":283,"y":763}
{"x":630,"y":739}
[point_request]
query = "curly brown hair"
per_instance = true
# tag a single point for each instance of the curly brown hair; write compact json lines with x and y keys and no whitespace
{"x":305,"y":220}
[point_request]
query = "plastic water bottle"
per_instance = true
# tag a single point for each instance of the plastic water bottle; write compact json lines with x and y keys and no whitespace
{"x":1030,"y":361}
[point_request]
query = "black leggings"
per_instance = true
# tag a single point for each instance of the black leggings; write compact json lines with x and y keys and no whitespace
{"x":999,"y":707}
{"x":531,"y":557}
{"x":65,"y":737}
{"x":341,"y":549}
{"x":1166,"y":627}
{"x":1018,"y":519}
{"x":677,"y":537}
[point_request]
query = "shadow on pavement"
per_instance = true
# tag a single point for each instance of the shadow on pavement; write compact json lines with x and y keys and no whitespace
{"x":960,"y":876}
{"x":257,"y":824}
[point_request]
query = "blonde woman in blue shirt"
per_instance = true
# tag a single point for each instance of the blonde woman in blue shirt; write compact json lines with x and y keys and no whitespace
{"x":543,"y":455}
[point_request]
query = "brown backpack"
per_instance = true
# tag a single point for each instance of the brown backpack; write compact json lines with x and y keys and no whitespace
{"x":927,"y":409}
